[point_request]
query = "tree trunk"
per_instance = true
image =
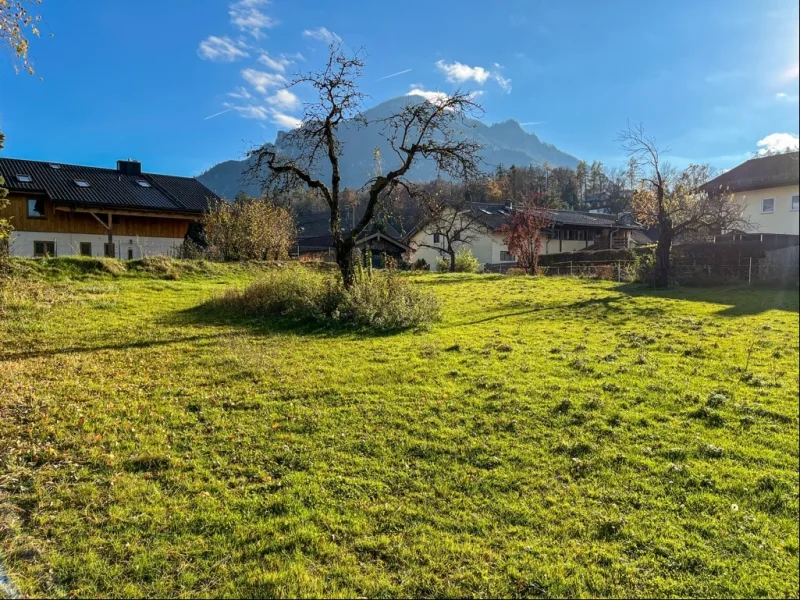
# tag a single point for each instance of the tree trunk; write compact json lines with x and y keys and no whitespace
{"x":662,"y":259}
{"x":452,"y":254}
{"x":346,"y":261}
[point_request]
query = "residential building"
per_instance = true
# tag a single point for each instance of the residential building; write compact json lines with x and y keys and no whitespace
{"x":379,"y":239}
{"x":569,"y":231}
{"x":58,"y":209}
{"x":769,"y":189}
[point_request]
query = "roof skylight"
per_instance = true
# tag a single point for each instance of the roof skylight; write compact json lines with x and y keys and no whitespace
{"x":486,"y":212}
{"x":22,"y":178}
{"x":143,"y":183}
{"x":54,"y":166}
{"x":81,"y":183}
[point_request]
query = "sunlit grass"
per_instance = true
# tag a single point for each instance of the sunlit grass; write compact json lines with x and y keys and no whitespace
{"x":550,"y":437}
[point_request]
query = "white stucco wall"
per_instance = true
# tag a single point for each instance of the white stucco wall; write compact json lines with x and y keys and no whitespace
{"x":783,"y":220}
{"x":68,"y":244}
{"x":487,"y":248}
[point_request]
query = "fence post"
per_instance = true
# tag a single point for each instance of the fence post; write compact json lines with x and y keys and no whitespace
{"x":570,"y":268}
{"x":619,"y":272}
{"x":750,"y":272}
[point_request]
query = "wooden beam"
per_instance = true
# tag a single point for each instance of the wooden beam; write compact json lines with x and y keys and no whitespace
{"x":99,"y":220}
{"x":132,"y":213}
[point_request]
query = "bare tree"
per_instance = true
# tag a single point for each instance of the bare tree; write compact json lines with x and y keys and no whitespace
{"x":447,"y":213}
{"x":675,"y":200}
{"x":419,"y":130}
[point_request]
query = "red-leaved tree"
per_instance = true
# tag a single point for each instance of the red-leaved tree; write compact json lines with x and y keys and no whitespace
{"x":523,"y":232}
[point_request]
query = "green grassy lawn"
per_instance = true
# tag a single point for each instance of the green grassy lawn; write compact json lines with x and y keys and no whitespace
{"x":550,"y":437}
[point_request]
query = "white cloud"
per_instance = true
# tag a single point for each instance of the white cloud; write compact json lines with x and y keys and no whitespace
{"x":259,"y":112}
{"x":249,"y":111}
{"x":783,"y":97}
{"x":503,"y":82}
{"x":248,"y":17}
{"x":263,"y":81}
{"x":322,"y":34}
{"x":283,"y":120}
{"x":278,"y":63}
{"x":458,"y":73}
{"x":433,"y":97}
{"x":777,"y":142}
{"x":241,"y":93}
{"x":221,"y":49}
{"x":284,"y":99}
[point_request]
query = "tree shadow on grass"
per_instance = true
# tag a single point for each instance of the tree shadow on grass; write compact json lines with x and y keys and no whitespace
{"x":433,"y":279}
{"x":609,"y":308}
{"x":739,"y":300}
{"x":208,"y":315}
{"x":616,"y":307}
{"x":138,"y":344}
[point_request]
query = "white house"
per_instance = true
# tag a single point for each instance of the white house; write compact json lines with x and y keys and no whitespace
{"x":769,"y":189}
{"x":569,"y":231}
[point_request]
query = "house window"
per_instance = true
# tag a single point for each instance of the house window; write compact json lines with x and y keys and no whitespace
{"x":22,"y":178}
{"x":108,"y":250}
{"x":554,"y":235}
{"x":36,"y":208}
{"x":130,"y":253}
{"x":81,"y":183}
{"x":44,"y":249}
{"x":436,"y":238}
{"x":506,"y":256}
{"x":794,"y":203}
{"x":768,"y":205}
{"x":86,"y":248}
{"x":581,"y":235}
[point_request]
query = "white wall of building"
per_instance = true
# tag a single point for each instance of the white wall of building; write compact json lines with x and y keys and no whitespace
{"x":488,"y":248}
{"x":68,"y":244}
{"x":783,"y":220}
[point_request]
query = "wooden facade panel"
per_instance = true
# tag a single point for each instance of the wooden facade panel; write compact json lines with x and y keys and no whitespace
{"x":59,"y":221}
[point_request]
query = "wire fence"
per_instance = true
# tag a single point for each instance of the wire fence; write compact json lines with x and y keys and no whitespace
{"x":747,"y":270}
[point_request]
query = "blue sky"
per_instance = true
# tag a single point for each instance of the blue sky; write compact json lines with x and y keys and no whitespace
{"x":709,"y":79}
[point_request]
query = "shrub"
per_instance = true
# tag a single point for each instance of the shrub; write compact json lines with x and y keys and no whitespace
{"x":381,"y":301}
{"x":443,"y":265}
{"x":465,"y":262}
{"x":516,"y":271}
{"x":420,"y":265}
{"x":249,"y":229}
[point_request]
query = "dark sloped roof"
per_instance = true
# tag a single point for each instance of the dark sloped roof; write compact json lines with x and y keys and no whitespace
{"x":108,"y":188}
{"x":495,"y":215}
{"x":759,"y":173}
{"x":318,"y":224}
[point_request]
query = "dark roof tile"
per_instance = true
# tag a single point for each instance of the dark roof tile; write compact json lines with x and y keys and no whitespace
{"x":108,"y":188}
{"x":759,"y":173}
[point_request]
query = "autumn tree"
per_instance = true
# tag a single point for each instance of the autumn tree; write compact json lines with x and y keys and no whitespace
{"x":447,"y":214}
{"x":523,"y":232}
{"x":675,"y":200}
{"x":249,"y":229}
{"x":419,"y":130}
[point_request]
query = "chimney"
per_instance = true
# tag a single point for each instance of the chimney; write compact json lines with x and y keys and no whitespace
{"x":129,"y":167}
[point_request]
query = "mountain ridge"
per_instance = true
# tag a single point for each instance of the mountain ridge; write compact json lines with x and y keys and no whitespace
{"x":504,"y":143}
